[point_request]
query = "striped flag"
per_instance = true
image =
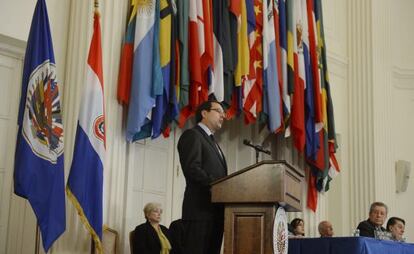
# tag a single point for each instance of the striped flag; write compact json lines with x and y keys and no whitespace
{"x":223,"y":58}
{"x":195,"y":51}
{"x":127,"y":58}
{"x":38,"y":166}
{"x":253,"y":86}
{"x":312,"y":137}
{"x":298,"y":108}
{"x":243,"y":58}
{"x":271,"y":99}
{"x":220,"y":24}
{"x":147,"y":80}
{"x":85,"y":183}
{"x":284,"y":65}
{"x":313,"y":45}
{"x":159,"y":112}
{"x":331,"y":165}
{"x":184,"y":76}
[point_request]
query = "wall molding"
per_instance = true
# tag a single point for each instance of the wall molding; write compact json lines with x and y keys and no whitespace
{"x":403,"y":77}
{"x":12,"y":47}
{"x":338,"y":64}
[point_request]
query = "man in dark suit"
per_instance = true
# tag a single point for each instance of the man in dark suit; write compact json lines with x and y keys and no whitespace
{"x":202,"y":162}
{"x":377,"y":215}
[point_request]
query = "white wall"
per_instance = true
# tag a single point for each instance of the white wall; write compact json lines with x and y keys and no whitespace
{"x":71,"y":26}
{"x":16,"y":17}
{"x":403,"y":103}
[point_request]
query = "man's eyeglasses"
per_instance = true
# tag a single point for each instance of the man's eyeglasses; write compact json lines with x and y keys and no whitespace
{"x":221,"y":112}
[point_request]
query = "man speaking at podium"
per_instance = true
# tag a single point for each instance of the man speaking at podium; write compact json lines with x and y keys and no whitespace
{"x":202,"y":162}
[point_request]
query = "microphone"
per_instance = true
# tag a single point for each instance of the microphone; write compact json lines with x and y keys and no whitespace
{"x":258,"y":148}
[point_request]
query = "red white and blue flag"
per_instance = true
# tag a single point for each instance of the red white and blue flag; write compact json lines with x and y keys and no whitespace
{"x":38,"y":168}
{"x":85,"y":183}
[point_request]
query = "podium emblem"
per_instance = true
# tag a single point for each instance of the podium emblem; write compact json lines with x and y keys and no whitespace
{"x":280,"y":232}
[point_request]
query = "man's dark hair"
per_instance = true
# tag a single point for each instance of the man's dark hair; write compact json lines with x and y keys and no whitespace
{"x":375,"y":204}
{"x":392,"y":221}
{"x":204,"y":106}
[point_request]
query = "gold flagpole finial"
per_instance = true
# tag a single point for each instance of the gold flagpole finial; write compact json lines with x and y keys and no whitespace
{"x":96,"y":5}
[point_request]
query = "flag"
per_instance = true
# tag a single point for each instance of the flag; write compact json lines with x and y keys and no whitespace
{"x":284,"y":65}
{"x":331,"y":165}
{"x":312,"y":137}
{"x":85,"y":182}
{"x":184,"y":76}
{"x":147,"y":81}
{"x":314,"y":64}
{"x":253,"y":85}
{"x":312,"y":195}
{"x":159,"y":112}
{"x":232,"y":12}
{"x":242,"y":67}
{"x":298,"y":108}
{"x":195,"y":51}
{"x":243,"y":57}
{"x":220,"y":24}
{"x":207,"y":58}
{"x":271,"y":99}
{"x":127,"y":57}
{"x":38,"y":167}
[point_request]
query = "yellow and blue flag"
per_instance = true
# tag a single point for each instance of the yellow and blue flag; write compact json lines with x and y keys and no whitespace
{"x":38,"y":168}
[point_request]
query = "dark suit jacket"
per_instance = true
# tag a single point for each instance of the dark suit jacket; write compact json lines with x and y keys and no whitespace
{"x":177,"y":234}
{"x":146,"y":240}
{"x":367,"y":228}
{"x":202,"y":164}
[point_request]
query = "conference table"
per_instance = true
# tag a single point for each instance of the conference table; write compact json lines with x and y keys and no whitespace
{"x":347,"y":245}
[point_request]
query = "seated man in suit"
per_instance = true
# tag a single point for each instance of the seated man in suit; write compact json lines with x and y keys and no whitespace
{"x":325,"y":229}
{"x":377,"y":215}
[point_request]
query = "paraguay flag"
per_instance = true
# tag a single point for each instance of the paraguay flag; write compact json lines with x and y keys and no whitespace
{"x":85,"y":183}
{"x":38,"y":168}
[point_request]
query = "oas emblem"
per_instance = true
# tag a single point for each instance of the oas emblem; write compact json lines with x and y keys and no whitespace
{"x":42,"y":122}
{"x":280,"y":232}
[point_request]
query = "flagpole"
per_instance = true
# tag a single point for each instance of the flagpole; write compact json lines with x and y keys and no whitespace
{"x":37,"y":242}
{"x":96,"y":7}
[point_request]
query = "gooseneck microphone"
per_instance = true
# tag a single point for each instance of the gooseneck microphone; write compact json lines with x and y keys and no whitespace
{"x":257,"y":148}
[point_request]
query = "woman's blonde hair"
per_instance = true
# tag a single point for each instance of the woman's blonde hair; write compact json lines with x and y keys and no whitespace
{"x":149,"y":207}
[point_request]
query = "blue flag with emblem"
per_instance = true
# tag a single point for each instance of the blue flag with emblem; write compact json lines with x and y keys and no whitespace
{"x":38,"y":168}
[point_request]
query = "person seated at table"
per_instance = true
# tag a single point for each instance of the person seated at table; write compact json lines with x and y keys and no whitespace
{"x":377,"y":214}
{"x":297,"y":227}
{"x":396,"y":227}
{"x":151,"y":237}
{"x":325,"y":229}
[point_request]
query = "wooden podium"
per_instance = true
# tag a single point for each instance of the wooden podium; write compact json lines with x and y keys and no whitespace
{"x":251,"y":197}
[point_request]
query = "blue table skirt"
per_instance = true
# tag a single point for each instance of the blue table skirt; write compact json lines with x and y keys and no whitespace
{"x":348,"y":245}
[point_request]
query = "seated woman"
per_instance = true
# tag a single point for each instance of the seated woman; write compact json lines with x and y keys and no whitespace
{"x":151,"y":237}
{"x":396,"y":227}
{"x":297,"y":227}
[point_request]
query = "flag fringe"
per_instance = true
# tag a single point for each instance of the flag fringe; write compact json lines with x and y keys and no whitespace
{"x":81,"y":213}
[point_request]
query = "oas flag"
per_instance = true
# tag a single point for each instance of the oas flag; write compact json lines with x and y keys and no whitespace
{"x":38,"y":167}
